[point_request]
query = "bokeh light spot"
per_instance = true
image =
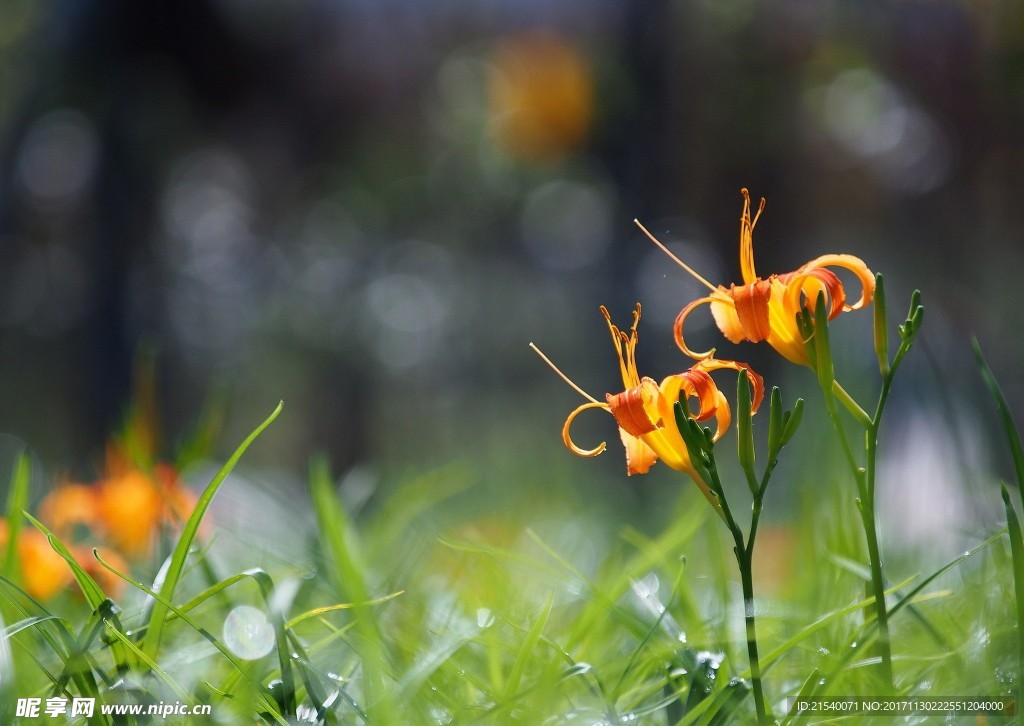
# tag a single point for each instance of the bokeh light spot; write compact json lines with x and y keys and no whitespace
{"x":880,"y":128}
{"x":58,"y":157}
{"x":566,"y":225}
{"x":248,"y":633}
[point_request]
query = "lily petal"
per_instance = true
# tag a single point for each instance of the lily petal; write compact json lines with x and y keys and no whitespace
{"x":811,"y":283}
{"x":756,"y":380}
{"x":639,"y":456}
{"x":636,"y":409}
{"x":853,"y":264}
{"x":751,"y":304}
{"x":723,"y":415}
{"x":677,"y":329}
{"x":697,"y":383}
{"x":567,"y":438}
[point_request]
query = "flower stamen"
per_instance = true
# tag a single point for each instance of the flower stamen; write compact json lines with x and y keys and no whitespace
{"x":564,"y":377}
{"x":675,"y":259}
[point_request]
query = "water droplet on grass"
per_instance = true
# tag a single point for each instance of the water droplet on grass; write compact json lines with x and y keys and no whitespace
{"x":248,"y":633}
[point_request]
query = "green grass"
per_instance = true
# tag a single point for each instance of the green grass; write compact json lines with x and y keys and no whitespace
{"x":430,"y":607}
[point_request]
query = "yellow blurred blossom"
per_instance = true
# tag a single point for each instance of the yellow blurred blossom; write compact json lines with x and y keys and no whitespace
{"x":540,"y":96}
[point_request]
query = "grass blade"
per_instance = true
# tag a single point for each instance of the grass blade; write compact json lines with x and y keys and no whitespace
{"x":265,"y":703}
{"x":1017,"y":557}
{"x":349,"y":579}
{"x":527,"y":648}
{"x":17,"y":502}
{"x":179,"y":692}
{"x":158,"y":615}
{"x":1012,"y":435}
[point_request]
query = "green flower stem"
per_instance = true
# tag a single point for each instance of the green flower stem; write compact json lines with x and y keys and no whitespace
{"x":865,"y":479}
{"x":746,"y":577}
{"x":700,"y":445}
{"x":820,"y":352}
{"x":744,"y":559}
{"x":908,"y":332}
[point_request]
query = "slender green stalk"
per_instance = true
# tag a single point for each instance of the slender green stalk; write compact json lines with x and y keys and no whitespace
{"x":871,"y":530}
{"x":744,"y":560}
{"x":747,"y":579}
{"x":781,"y":427}
{"x":865,"y":477}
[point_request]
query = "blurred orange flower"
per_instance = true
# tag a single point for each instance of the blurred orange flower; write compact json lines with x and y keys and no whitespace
{"x":132,"y":506}
{"x":766,"y":309}
{"x":540,"y":96}
{"x":44,"y":573}
{"x":69,"y":506}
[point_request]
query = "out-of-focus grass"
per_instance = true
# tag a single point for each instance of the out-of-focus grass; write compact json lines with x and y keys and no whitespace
{"x":438,"y":602}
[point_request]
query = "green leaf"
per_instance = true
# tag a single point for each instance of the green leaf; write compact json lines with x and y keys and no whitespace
{"x":527,"y":648}
{"x":179,"y":692}
{"x":17,"y":502}
{"x":93,"y":592}
{"x":264,"y":703}
{"x":348,"y":576}
{"x":1017,"y":557}
{"x":158,"y":615}
{"x":1009,"y":425}
{"x":810,"y":685}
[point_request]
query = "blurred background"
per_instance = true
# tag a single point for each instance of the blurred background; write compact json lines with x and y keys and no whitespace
{"x":369,"y":209}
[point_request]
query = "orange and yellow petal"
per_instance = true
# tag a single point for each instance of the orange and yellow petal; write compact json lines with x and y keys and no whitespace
{"x":751,"y":305}
{"x":718,"y":307}
{"x":804,"y":287}
{"x":756,"y":380}
{"x":639,"y":456}
{"x":636,"y":409}
{"x":625,"y":347}
{"x":855,"y":265}
{"x":567,"y":436}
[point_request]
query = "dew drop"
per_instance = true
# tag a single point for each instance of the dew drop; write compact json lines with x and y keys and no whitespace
{"x":248,"y":633}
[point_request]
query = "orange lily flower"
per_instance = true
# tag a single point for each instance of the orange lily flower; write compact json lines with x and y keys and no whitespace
{"x":766,"y":309}
{"x":644,"y":410}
